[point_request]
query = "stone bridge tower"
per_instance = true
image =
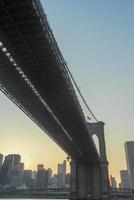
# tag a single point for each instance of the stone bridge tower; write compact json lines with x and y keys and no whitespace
{"x":90,"y":180}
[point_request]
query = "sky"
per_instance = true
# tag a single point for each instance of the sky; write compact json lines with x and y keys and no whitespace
{"x":96,"y":40}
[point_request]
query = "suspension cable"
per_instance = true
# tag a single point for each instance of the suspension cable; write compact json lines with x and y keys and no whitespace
{"x":82,"y":97}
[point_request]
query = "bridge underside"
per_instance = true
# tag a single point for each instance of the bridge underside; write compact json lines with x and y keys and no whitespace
{"x":35,"y":77}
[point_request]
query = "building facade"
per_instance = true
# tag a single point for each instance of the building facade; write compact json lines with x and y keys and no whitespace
{"x":113,"y":182}
{"x":1,"y":160}
{"x":61,"y":175}
{"x":125,"y":183}
{"x":8,"y":167}
{"x":41,"y":177}
{"x":129,"y":151}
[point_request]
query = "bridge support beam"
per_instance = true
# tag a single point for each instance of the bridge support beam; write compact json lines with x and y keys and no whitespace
{"x":87,"y":181}
{"x":90,"y":180}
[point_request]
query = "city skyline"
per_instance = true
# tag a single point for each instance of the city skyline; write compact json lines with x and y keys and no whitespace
{"x":38,"y":165}
{"x":104,"y":43}
{"x":13,"y":173}
{"x":61,"y":172}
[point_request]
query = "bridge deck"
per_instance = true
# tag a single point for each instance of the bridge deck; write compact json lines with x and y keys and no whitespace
{"x":26,"y":34}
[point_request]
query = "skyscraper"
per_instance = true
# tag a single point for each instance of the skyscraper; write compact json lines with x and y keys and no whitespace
{"x":17,"y":174}
{"x":40,"y":167}
{"x":41,"y":177}
{"x":129,"y":150}
{"x":67,"y":179}
{"x":61,"y":175}
{"x":5,"y":174}
{"x":49,"y":175}
{"x":10,"y":161}
{"x":64,"y":173}
{"x":1,"y":160}
{"x":124,"y":179}
{"x":27,"y":178}
{"x":54,"y":181}
{"x":113,"y":183}
{"x":64,"y":167}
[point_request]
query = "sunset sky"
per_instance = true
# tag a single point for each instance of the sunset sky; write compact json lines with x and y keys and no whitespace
{"x":97,"y":41}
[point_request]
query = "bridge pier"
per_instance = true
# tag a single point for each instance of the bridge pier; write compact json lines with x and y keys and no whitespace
{"x":90,"y":180}
{"x":87,"y":181}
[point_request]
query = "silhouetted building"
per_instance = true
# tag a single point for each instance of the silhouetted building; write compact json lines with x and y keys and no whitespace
{"x":1,"y":160}
{"x":113,"y":183}
{"x":129,"y":150}
{"x":49,"y":175}
{"x":9,"y":163}
{"x":16,"y":158}
{"x":61,"y":175}
{"x":27,"y":179}
{"x":5,"y":174}
{"x":67,"y":180}
{"x":34,"y":175}
{"x":64,"y":168}
{"x":17,"y":174}
{"x":54,"y":181}
{"x":40,"y":167}
{"x":41,"y":177}
{"x":125,"y":182}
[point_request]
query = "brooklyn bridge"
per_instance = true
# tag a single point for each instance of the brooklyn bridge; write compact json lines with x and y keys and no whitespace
{"x":35,"y":76}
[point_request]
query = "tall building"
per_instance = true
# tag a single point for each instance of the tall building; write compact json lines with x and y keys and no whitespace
{"x":17,"y":174}
{"x":61,"y":175}
{"x":129,"y":150}
{"x":113,"y":182}
{"x":16,"y":158}
{"x":49,"y":176}
{"x":41,"y":177}
{"x":10,"y":162}
{"x":40,"y":167}
{"x":67,"y":180}
{"x":1,"y":160}
{"x":27,"y":179}
{"x":64,"y":167}
{"x":54,"y":181}
{"x":124,"y":179}
{"x":5,"y":174}
{"x":33,"y":175}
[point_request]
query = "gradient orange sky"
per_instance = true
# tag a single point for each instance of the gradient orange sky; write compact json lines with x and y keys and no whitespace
{"x":96,"y":38}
